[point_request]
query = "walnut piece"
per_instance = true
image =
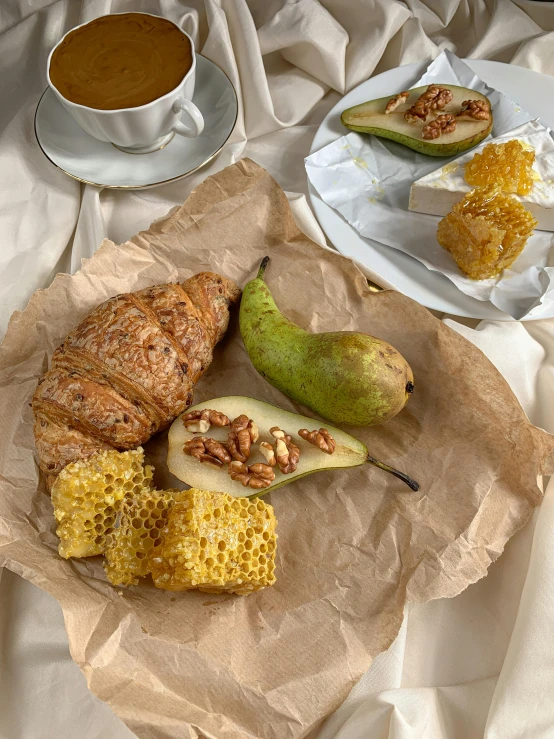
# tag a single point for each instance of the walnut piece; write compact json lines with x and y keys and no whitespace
{"x":208,"y":451}
{"x":200,"y":421}
{"x":442,"y":124}
{"x":256,"y":476}
{"x":474,"y":110}
{"x":395,"y":101}
{"x":243,"y":434}
{"x":417,"y":113}
{"x":286,"y":451}
{"x":434,"y":98}
{"x":321,"y":439}
{"x":269,"y":453}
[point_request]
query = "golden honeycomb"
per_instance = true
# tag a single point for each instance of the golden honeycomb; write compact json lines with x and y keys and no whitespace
{"x":138,"y":528}
{"x":216,"y":543}
{"x":509,"y":165}
{"x":87,"y":496}
{"x":485,"y":232}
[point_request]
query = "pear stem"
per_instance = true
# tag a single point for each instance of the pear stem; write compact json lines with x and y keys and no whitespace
{"x":263,"y":265}
{"x":410,"y":482}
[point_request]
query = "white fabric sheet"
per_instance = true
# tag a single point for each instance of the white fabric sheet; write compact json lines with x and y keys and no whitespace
{"x":478,"y":665}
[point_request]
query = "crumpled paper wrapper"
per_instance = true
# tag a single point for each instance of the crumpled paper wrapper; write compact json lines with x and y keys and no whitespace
{"x":368,"y":180}
{"x":354,"y":545}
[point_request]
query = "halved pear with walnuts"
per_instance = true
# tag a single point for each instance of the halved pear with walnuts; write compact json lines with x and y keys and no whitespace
{"x":370,"y":117}
{"x":349,"y":451}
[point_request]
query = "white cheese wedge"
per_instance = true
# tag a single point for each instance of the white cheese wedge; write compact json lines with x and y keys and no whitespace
{"x":438,"y":191}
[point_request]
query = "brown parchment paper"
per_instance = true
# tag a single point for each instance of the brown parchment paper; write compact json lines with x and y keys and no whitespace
{"x":354,"y":546}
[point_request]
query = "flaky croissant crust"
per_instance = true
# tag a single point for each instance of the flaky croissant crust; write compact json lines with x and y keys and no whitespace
{"x":128,"y":369}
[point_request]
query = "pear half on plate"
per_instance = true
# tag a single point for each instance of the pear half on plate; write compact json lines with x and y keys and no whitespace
{"x":370,"y":117}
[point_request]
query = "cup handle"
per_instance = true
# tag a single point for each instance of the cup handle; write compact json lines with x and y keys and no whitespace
{"x":194,"y":114}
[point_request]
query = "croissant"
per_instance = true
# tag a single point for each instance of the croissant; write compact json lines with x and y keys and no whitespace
{"x":128,"y":369}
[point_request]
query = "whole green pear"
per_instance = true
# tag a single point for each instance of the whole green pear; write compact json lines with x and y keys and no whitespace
{"x":344,"y":376}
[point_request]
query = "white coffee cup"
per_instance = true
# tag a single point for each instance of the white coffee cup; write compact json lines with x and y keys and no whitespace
{"x":147,"y":127}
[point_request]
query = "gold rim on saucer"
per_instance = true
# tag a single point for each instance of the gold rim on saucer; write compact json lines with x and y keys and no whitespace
{"x":151,"y":184}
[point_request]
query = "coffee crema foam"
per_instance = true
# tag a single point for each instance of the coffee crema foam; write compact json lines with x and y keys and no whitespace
{"x":120,"y":61}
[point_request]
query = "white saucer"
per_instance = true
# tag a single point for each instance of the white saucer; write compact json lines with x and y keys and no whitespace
{"x":99,"y":163}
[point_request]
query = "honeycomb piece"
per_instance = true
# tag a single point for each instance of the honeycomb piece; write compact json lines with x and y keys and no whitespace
{"x":138,"y":528}
{"x":216,"y":543}
{"x":485,"y":232}
{"x":508,"y":165}
{"x":87,"y":496}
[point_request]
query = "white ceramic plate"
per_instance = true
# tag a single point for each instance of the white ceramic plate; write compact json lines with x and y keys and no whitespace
{"x":388,"y":267}
{"x":99,"y":163}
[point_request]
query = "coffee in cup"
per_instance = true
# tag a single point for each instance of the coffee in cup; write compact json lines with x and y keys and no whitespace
{"x":126,"y":78}
{"x":121,"y":61}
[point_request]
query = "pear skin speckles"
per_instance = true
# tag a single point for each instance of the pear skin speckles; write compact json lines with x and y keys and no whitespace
{"x":346,"y":377}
